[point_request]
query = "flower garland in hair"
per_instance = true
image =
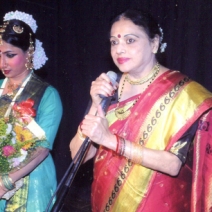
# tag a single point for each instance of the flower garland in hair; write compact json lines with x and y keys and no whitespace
{"x":40,"y":57}
{"x":162,"y":45}
{"x":22,"y":16}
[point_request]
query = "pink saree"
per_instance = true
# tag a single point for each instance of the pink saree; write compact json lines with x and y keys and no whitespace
{"x":164,"y":112}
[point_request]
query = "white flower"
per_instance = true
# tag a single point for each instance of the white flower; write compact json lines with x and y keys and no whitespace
{"x":161,"y":31}
{"x":39,"y":58}
{"x":16,"y":161}
{"x":162,"y":47}
{"x":9,"y":129}
{"x":22,"y":16}
{"x":24,"y":154}
{"x":13,"y":139}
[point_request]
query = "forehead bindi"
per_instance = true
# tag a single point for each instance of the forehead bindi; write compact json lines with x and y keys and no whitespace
{"x":123,"y":27}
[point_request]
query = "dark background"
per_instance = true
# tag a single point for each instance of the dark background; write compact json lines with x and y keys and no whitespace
{"x":75,"y":37}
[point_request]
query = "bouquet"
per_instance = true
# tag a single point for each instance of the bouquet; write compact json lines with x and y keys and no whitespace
{"x":19,"y":134}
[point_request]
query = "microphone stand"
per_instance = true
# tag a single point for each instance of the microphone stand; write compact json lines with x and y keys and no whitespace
{"x":69,"y":177}
{"x":74,"y":166}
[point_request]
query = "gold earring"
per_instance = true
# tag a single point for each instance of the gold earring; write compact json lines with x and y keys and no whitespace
{"x":29,"y":64}
{"x":2,"y":30}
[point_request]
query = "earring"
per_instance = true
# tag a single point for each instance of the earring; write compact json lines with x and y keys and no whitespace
{"x":155,"y":51}
{"x":29,"y":64}
{"x":2,"y":30}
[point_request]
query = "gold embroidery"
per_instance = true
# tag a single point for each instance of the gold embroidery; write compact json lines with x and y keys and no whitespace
{"x":167,"y":99}
{"x":177,"y":146}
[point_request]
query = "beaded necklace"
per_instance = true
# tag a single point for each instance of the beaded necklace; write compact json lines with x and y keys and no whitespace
{"x":122,"y":114}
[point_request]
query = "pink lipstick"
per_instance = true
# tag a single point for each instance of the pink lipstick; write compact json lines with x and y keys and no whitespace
{"x":6,"y":71}
{"x":122,"y":60}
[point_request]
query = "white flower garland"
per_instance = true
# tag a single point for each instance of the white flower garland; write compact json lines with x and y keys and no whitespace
{"x":162,"y":45}
{"x":22,"y":16}
{"x":40,"y":57}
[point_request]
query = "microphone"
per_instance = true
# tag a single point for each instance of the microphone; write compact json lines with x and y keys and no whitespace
{"x":106,"y":100}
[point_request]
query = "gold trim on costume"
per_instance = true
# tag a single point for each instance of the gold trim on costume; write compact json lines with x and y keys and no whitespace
{"x":177,"y":146}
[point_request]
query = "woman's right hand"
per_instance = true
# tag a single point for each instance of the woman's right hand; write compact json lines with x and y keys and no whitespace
{"x":101,"y":86}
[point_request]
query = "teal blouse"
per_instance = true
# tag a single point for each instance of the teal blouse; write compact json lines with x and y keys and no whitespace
{"x":42,"y":180}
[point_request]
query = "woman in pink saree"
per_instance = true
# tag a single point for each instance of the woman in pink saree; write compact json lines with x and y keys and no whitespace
{"x":153,"y":148}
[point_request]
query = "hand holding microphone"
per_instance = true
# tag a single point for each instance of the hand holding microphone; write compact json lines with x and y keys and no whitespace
{"x":96,"y":126}
{"x":103,"y":87}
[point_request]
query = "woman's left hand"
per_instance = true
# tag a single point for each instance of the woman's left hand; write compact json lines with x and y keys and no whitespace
{"x":97,"y":129}
{"x":2,"y":192}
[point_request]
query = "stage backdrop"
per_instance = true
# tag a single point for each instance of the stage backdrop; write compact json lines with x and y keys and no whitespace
{"x":75,"y":36}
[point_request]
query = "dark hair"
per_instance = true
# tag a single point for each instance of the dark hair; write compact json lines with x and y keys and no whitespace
{"x":20,"y":40}
{"x":142,"y":19}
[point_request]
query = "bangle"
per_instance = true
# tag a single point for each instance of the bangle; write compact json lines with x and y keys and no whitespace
{"x":123,"y":146}
{"x":137,"y":155}
{"x":7,"y":182}
{"x":117,"y":144}
{"x":120,"y":147}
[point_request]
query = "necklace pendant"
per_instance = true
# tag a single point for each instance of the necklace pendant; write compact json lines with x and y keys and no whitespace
{"x":10,"y":93}
{"x":121,"y":114}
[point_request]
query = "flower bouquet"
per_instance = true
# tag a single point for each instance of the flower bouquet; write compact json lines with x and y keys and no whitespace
{"x":19,"y":135}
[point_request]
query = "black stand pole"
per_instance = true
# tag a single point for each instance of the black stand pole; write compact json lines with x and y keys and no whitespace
{"x":74,"y":166}
{"x":68,"y":178}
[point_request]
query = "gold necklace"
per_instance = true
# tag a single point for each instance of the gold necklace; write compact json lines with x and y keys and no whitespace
{"x":11,"y":87}
{"x":144,"y":79}
{"x":121,"y":113}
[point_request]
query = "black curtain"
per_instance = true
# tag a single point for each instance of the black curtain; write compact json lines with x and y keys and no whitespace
{"x":75,"y":37}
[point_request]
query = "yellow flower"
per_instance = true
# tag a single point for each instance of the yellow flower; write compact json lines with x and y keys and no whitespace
{"x":27,"y":146}
{"x":22,"y":134}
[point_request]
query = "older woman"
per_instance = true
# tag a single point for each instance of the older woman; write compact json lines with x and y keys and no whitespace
{"x":153,"y":139}
{"x":33,"y":108}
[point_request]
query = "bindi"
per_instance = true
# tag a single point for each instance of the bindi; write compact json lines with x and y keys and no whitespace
{"x":119,"y":36}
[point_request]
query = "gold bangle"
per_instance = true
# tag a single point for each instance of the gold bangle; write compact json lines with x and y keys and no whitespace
{"x":137,"y":155}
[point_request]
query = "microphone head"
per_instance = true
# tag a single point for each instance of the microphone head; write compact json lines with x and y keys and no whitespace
{"x":113,"y":76}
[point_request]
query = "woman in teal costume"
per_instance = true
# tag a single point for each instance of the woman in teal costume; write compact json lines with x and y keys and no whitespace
{"x":20,"y":54}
